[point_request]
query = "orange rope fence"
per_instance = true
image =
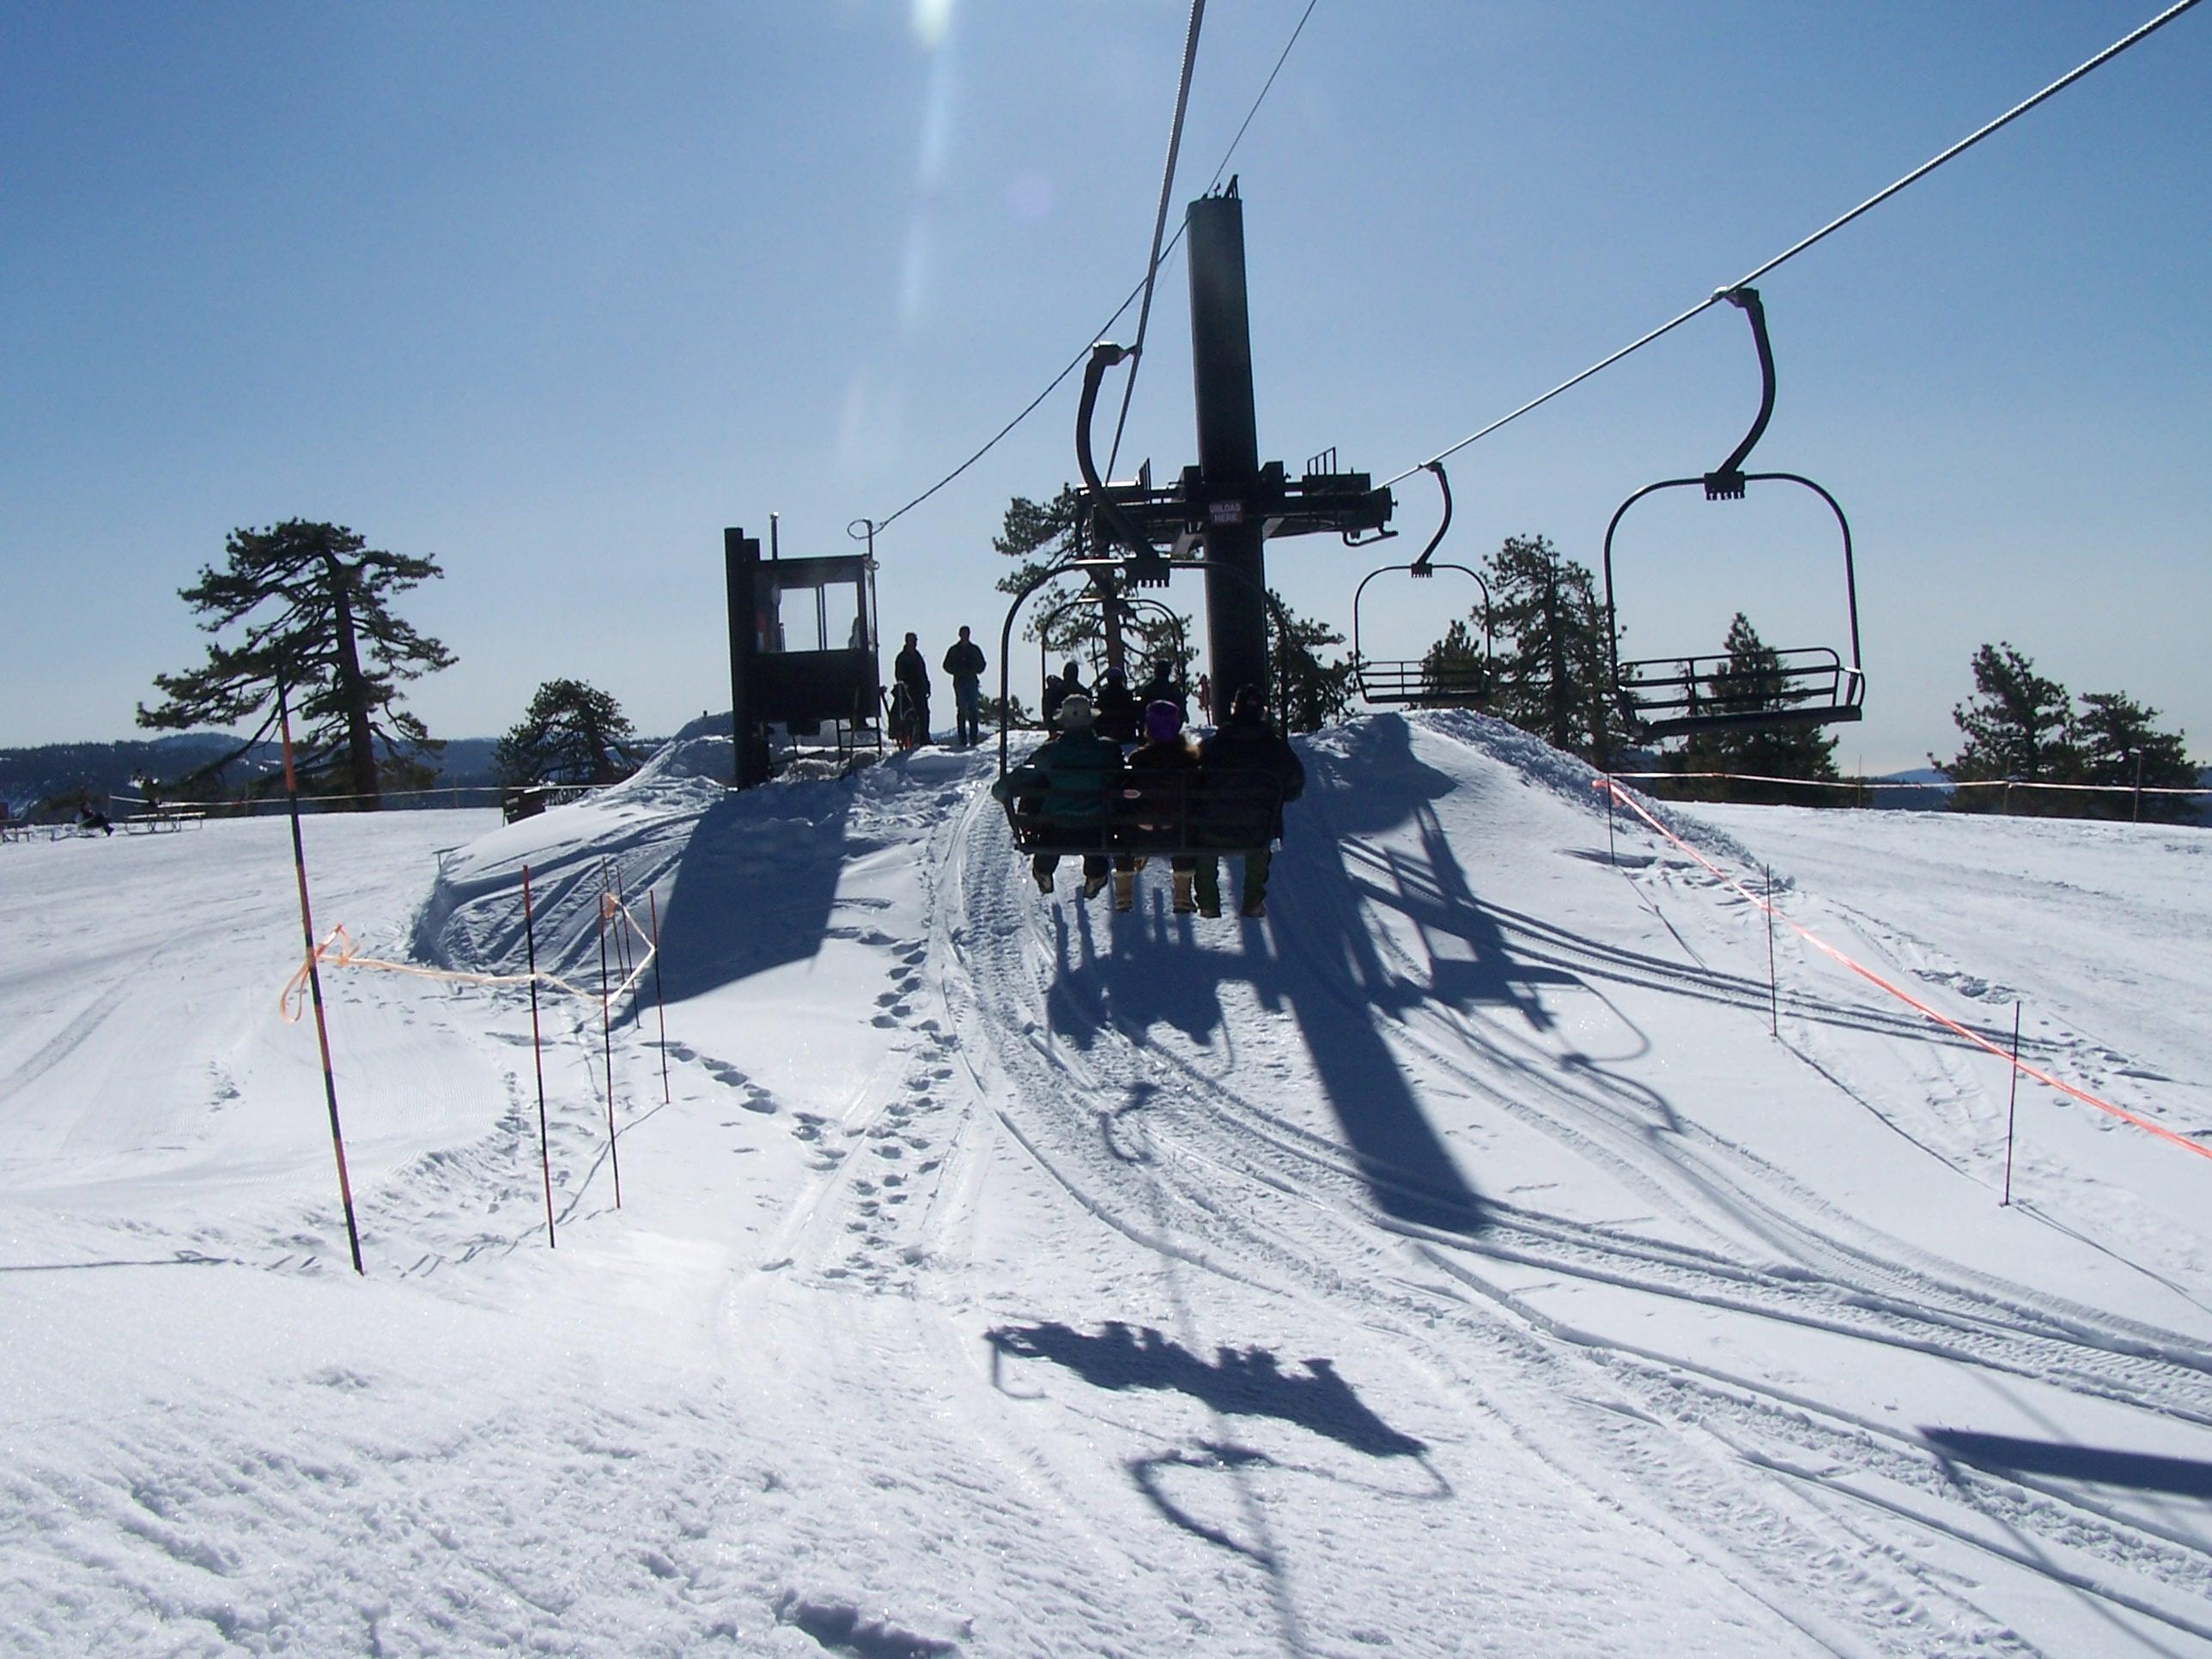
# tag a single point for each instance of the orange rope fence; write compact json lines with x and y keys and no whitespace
{"x":1765,"y":904}
{"x":338,"y":950}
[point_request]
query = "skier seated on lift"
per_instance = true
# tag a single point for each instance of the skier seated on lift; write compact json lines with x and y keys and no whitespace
{"x":1162,"y":688}
{"x":1243,"y":752}
{"x":1064,"y":785}
{"x":1120,"y":713}
{"x":1161,"y":803}
{"x":1069,"y":684}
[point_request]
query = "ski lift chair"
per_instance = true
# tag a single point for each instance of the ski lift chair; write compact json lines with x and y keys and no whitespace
{"x":1680,"y":696}
{"x":1207,"y":809}
{"x":1423,"y":684}
{"x":1200,"y":811}
{"x":1204,"y":811}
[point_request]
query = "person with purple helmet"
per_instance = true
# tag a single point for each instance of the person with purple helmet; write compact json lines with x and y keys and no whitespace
{"x":1162,"y":770}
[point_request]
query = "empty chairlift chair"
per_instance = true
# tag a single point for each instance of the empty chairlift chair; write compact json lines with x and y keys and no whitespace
{"x":1809,"y":685}
{"x":1437,"y":681}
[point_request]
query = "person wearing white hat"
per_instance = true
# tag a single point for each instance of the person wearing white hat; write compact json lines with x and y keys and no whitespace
{"x":1065,"y":784}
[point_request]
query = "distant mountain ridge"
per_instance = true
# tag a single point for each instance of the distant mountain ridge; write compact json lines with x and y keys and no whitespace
{"x":58,"y":770}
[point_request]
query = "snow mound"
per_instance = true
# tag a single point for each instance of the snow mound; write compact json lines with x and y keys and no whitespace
{"x":1378,"y":750}
{"x":711,"y":758}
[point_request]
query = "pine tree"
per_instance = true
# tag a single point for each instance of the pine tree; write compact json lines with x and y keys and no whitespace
{"x":1046,"y":534}
{"x":321,"y":596}
{"x":1454,"y":662}
{"x":1309,"y":693}
{"x":2117,"y":743}
{"x":573,"y":734}
{"x":2017,"y":726}
{"x":1753,"y":682}
{"x":1555,"y":677}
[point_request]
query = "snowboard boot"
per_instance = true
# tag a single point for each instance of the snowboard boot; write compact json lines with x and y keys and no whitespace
{"x":1125,"y":889}
{"x":1184,"y":903}
{"x":1043,"y":880}
{"x":1093,"y":885}
{"x":1254,"y":907}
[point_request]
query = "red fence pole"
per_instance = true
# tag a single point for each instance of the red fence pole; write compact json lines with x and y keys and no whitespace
{"x":538,"y":1059}
{"x":659,"y":1007}
{"x":315,"y":979}
{"x":606,"y":1042}
{"x":2012,"y":1106}
{"x":623,"y":947}
{"x":1773,"y":995}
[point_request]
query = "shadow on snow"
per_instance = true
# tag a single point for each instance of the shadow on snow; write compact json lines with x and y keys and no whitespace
{"x":1328,"y":973}
{"x":749,"y":894}
{"x":1246,"y":1383}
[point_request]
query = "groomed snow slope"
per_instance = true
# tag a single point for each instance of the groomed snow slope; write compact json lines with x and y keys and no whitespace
{"x":1452,"y":1263}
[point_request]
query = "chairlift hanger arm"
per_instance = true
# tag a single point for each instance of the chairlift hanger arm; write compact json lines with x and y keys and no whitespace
{"x":1725,"y":483}
{"x":1103,"y":356}
{"x":1421,"y":566}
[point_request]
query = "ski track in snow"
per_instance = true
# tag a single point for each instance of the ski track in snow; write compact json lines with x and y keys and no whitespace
{"x":1452,"y":1263}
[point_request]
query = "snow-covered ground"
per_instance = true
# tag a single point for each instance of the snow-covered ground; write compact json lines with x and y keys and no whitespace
{"x":1451,"y":1263}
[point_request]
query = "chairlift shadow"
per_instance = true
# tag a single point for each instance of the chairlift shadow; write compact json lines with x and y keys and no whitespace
{"x":1154,"y":978}
{"x":1242,"y":1383}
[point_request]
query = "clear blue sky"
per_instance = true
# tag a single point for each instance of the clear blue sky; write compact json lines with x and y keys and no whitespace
{"x":554,"y":293}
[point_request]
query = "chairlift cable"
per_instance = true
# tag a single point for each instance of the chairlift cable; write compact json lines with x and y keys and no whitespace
{"x":1159,"y":225}
{"x":1283,"y":58}
{"x":1106,"y":328}
{"x":1833,"y":226}
{"x":1027,"y":410}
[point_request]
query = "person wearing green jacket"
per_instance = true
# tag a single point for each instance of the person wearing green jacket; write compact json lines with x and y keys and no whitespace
{"x":1065,"y":783}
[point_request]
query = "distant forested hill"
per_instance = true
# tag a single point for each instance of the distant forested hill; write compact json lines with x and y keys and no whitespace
{"x":54,"y":771}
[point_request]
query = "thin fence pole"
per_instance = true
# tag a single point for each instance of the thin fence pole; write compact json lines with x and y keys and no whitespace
{"x":538,"y":1057}
{"x":2012,"y":1106}
{"x":315,"y":980}
{"x":622,"y":945}
{"x":660,"y":1007}
{"x":1610,"y":857}
{"x":1773,"y":994}
{"x":607,"y":1045}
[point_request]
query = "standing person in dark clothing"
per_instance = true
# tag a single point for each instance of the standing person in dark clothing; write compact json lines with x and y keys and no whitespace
{"x":964,"y":662}
{"x":1069,"y":684}
{"x":911,"y":675}
{"x":1065,"y":784}
{"x":1160,"y":802}
{"x":1162,"y":688}
{"x":1244,"y":754}
{"x":1118,"y":711}
{"x":1205,"y":698}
